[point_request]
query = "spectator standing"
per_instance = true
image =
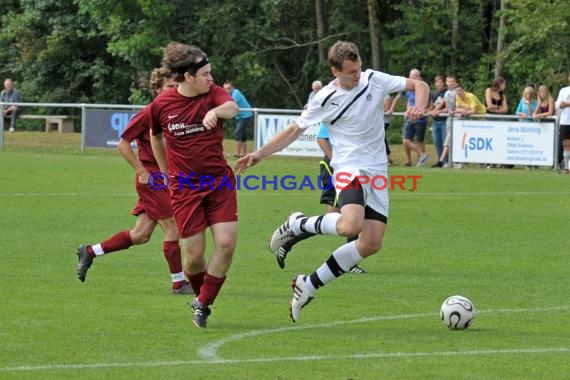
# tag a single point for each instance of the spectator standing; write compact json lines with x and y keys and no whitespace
{"x":527,"y":105}
{"x":187,"y":140}
{"x":545,"y":105}
{"x":495,"y":97}
{"x":563,"y":104}
{"x":10,"y":95}
{"x":315,"y":87}
{"x":243,"y":118}
{"x":414,"y":127}
{"x":389,"y":105}
{"x":467,"y":103}
{"x":449,"y":106}
{"x":438,"y":125}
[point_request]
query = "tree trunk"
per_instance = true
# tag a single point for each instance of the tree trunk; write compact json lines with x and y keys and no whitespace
{"x":374,"y":27}
{"x":454,"y":32}
{"x":320,"y":18}
{"x":500,"y":38}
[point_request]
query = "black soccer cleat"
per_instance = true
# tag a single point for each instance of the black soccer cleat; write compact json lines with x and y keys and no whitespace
{"x":85,"y":262}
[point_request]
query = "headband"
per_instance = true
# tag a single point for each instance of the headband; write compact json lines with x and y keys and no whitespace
{"x":195,"y":66}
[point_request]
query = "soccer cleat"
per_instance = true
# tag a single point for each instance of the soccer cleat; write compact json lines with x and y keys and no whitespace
{"x":301,"y":297}
{"x":200,"y":314}
{"x":438,"y":164}
{"x":284,"y":234}
{"x":281,"y":254}
{"x":85,"y":262}
{"x":423,"y":159}
{"x":356,"y":270}
{"x":184,"y":289}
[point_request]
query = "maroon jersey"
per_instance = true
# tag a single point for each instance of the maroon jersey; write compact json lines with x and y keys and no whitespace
{"x":139,"y":129}
{"x":191,"y":149}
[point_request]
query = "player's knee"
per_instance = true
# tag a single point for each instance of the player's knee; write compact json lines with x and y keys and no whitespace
{"x":368,"y":248}
{"x":350,"y":228}
{"x":140,"y":237}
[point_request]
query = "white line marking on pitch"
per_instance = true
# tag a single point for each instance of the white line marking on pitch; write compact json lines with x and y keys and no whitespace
{"x":385,"y":355}
{"x":209,"y":352}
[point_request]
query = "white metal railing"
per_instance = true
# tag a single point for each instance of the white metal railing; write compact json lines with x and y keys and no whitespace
{"x":84,"y":106}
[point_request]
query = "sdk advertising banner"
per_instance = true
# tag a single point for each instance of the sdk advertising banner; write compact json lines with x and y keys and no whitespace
{"x":503,"y":142}
{"x":103,"y":128}
{"x":269,"y":125}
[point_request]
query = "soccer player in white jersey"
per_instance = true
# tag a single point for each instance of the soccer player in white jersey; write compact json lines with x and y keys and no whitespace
{"x":352,"y":107}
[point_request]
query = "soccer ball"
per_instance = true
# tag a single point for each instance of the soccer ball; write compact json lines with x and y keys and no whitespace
{"x":457,"y":312}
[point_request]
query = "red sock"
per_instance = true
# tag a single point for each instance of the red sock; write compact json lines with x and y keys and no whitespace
{"x":119,"y":241}
{"x":90,"y":251}
{"x":171,"y":251}
{"x":196,"y":281}
{"x":210,"y":289}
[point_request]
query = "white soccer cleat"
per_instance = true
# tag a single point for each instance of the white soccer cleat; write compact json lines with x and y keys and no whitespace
{"x":301,"y":297}
{"x":423,"y":159}
{"x":284,"y":233}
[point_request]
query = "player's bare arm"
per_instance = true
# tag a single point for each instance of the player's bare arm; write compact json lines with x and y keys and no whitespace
{"x":421,"y":89}
{"x":125,"y":149}
{"x":326,"y":147}
{"x":225,"y":111}
{"x":279,"y":142}
{"x":159,"y":151}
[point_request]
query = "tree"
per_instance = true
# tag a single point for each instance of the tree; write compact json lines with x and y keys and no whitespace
{"x":374,"y":34}
{"x":500,"y":39}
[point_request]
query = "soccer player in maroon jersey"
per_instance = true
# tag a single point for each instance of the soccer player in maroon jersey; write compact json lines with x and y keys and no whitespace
{"x":186,"y":137}
{"x":153,"y":206}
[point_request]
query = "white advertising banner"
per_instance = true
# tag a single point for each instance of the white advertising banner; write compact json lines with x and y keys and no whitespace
{"x":503,"y":142}
{"x":268,"y":125}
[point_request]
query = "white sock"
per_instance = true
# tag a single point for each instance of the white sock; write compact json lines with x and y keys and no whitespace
{"x":566,"y":159}
{"x":322,"y":224}
{"x":176,"y":277}
{"x":97,"y":250}
{"x":344,"y":257}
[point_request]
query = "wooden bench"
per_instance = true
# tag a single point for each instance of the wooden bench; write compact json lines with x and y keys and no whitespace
{"x":61,"y":123}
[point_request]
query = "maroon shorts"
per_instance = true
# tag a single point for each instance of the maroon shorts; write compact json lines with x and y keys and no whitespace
{"x":155,"y":203}
{"x":197,"y":207}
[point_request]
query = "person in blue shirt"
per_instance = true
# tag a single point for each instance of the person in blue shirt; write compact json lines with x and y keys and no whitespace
{"x":527,"y":105}
{"x":243,"y":118}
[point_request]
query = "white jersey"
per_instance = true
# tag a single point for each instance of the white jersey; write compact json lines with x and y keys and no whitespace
{"x":355,"y":119}
{"x":564,"y":95}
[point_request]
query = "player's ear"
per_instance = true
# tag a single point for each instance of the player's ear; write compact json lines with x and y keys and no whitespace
{"x":335,"y":72}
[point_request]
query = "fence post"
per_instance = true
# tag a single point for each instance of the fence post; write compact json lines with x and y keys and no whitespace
{"x":83,"y":117}
{"x":2,"y":126}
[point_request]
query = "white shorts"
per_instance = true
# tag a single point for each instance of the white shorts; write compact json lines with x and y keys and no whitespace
{"x":374,"y":183}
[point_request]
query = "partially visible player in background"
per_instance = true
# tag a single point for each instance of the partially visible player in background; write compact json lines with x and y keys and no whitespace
{"x":328,"y":196}
{"x":153,"y":205}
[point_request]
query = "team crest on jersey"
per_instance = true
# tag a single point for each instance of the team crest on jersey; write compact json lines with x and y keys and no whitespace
{"x":369,"y":97}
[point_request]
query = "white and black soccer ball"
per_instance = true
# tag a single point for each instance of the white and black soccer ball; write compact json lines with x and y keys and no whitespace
{"x":457,"y":312}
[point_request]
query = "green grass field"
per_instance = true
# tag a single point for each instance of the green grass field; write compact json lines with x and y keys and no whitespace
{"x":499,"y":237}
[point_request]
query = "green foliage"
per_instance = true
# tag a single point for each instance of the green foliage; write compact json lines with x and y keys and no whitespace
{"x":538,"y":43}
{"x":104,"y":50}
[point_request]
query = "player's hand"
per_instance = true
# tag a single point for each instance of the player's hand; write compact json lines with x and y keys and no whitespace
{"x":416,"y":113}
{"x":210,"y":120}
{"x":143,"y":178}
{"x":246,"y":161}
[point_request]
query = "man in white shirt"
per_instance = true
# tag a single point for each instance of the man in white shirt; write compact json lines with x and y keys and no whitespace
{"x":352,"y":107}
{"x":563,"y":104}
